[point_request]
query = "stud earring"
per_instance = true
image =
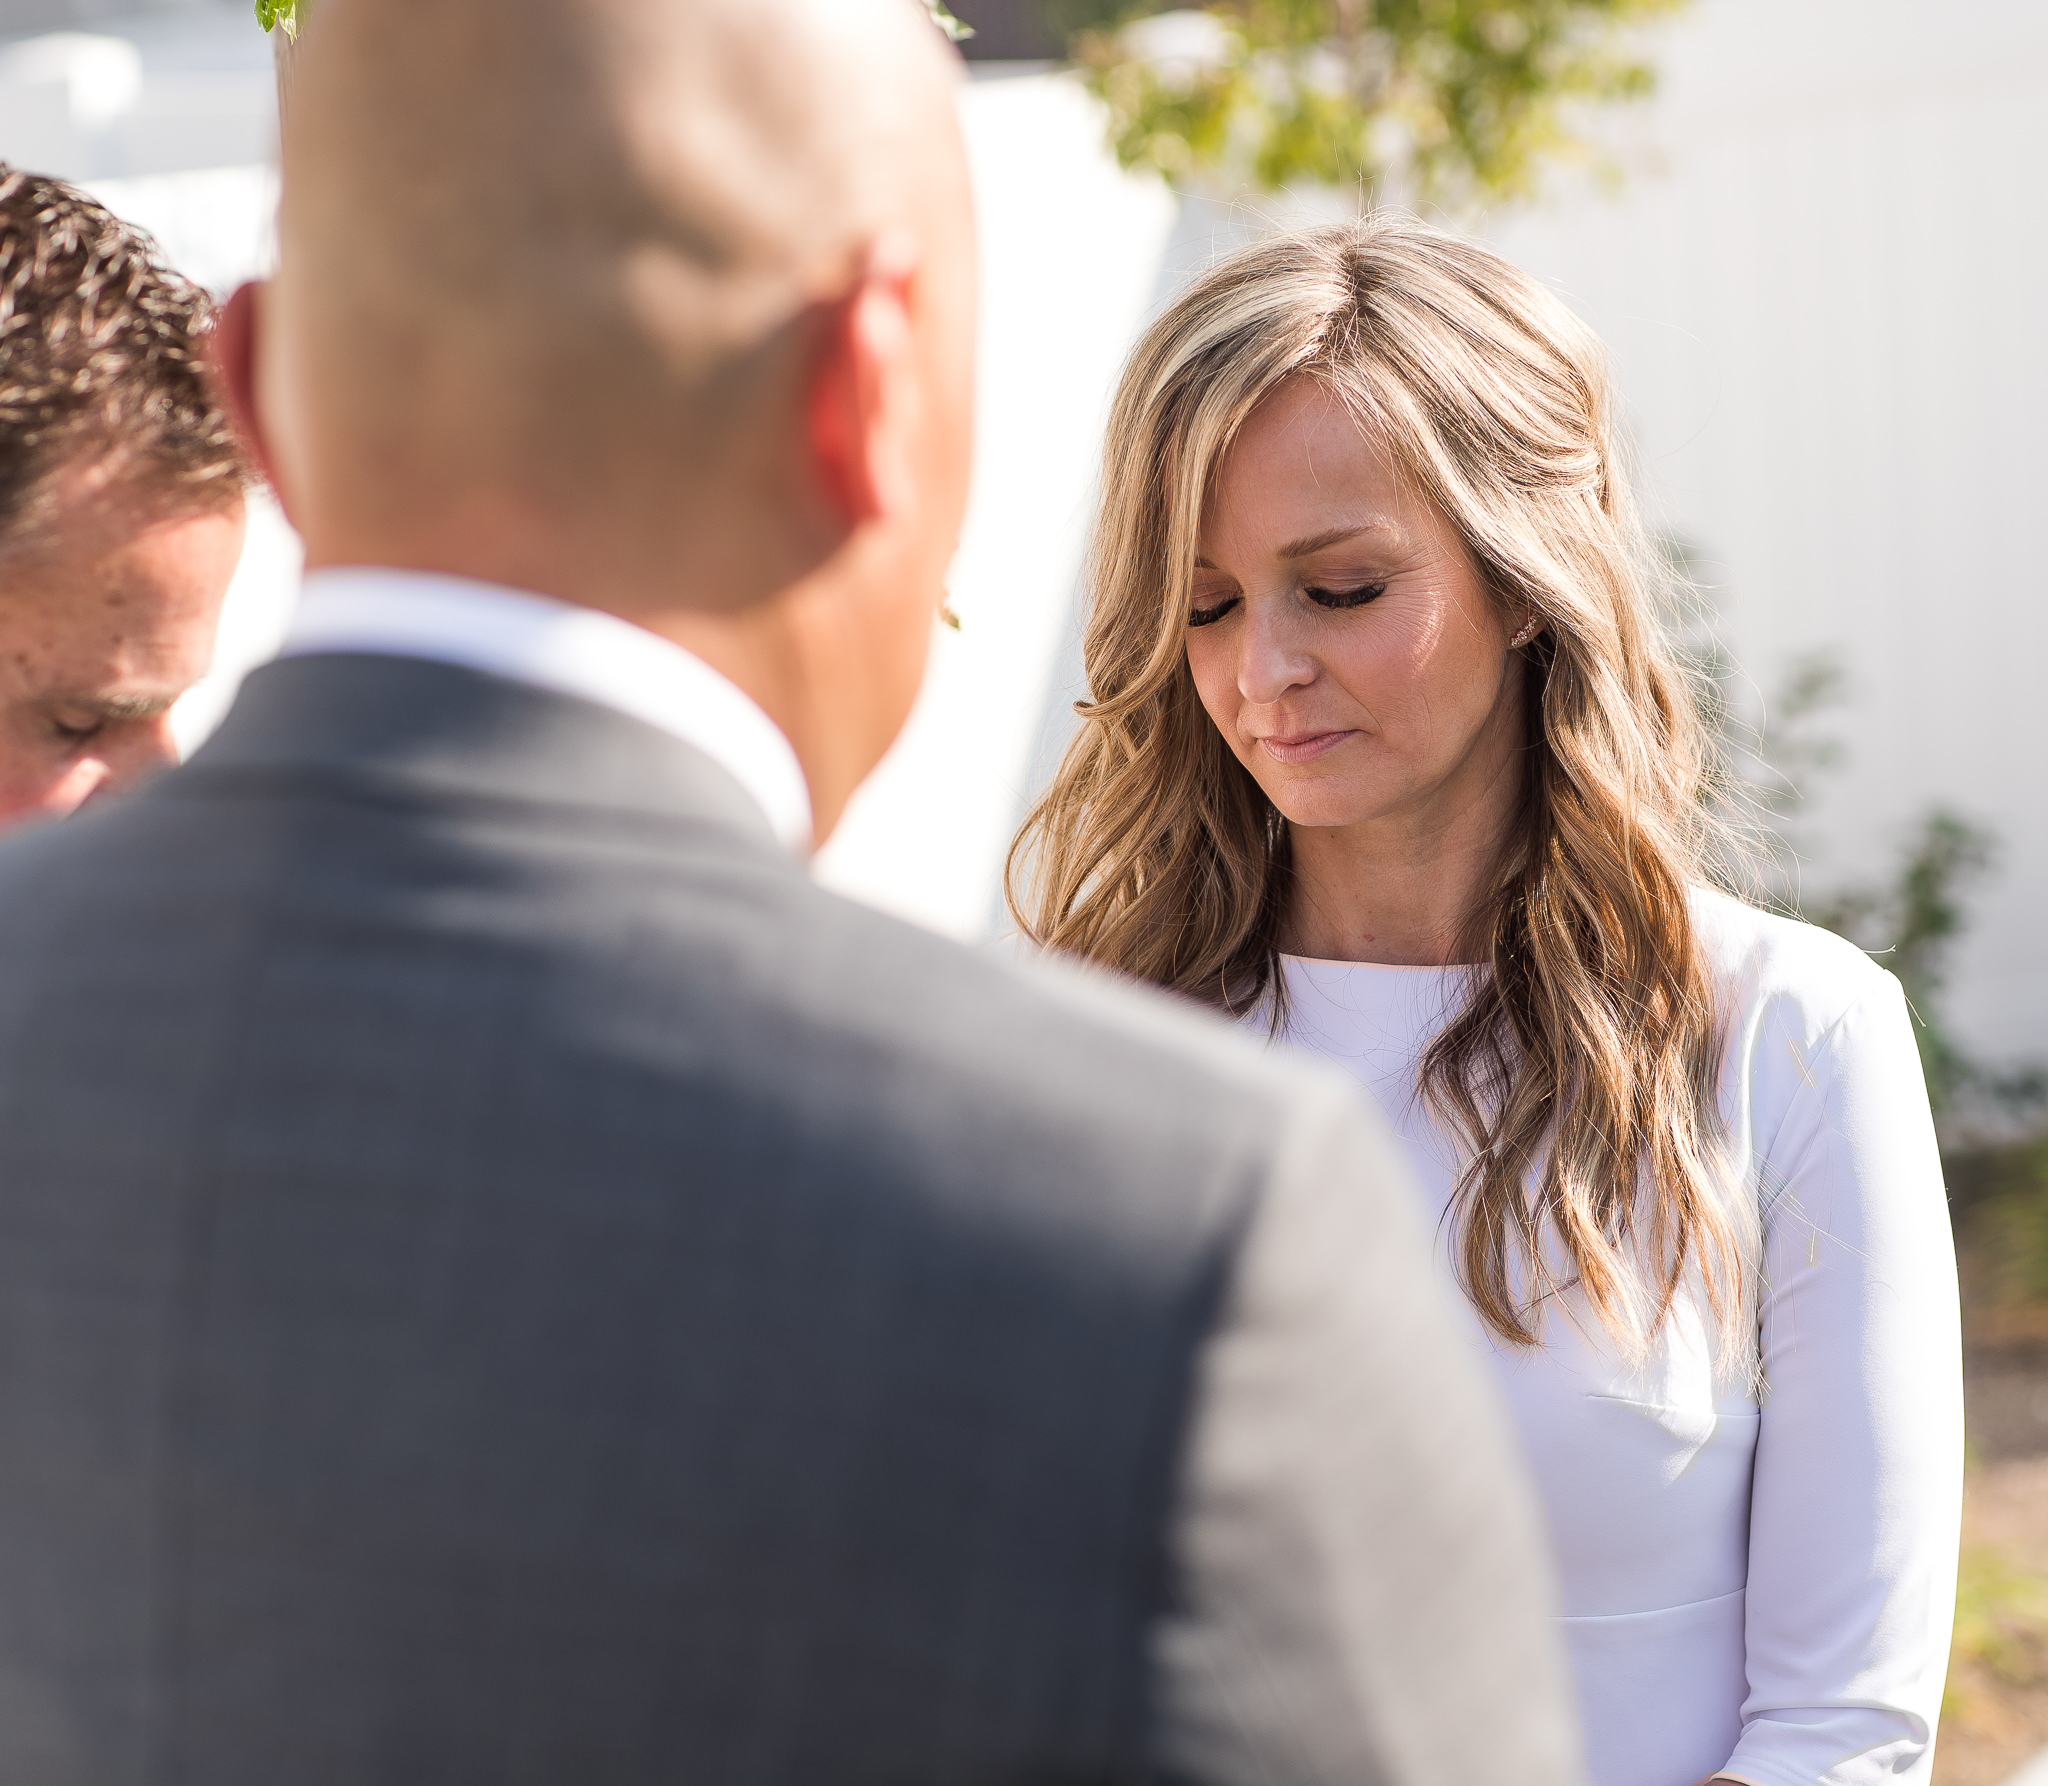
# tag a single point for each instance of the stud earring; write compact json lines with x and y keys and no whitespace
{"x":1525,"y":635}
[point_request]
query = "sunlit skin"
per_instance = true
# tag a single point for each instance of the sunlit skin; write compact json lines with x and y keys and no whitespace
{"x":879,"y":449}
{"x":108,"y":610}
{"x":1344,"y":643}
{"x":800,"y":547}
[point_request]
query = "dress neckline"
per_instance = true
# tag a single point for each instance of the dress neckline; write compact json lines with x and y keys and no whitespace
{"x":1385,"y":967}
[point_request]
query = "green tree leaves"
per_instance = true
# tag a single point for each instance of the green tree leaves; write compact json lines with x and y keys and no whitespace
{"x":273,"y":15}
{"x":1465,"y":99}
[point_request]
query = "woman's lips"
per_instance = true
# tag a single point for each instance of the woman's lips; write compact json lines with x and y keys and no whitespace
{"x":1303,"y":747}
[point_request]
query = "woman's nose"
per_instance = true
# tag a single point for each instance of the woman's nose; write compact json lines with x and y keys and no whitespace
{"x":1271,"y":659}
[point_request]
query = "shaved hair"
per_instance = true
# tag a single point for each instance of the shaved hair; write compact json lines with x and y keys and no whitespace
{"x":558,"y":247}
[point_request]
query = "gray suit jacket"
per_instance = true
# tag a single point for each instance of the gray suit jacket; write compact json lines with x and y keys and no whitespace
{"x":504,"y":1280}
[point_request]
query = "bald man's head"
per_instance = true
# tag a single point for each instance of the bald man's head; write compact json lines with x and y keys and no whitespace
{"x":560,"y":264}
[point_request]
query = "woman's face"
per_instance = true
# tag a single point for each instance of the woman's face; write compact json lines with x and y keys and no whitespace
{"x":1339,"y":633}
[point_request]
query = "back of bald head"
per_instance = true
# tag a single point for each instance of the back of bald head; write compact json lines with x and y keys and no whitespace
{"x":551,"y":257}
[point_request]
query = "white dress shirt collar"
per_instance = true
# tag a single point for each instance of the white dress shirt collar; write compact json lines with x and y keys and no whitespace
{"x":572,"y":650}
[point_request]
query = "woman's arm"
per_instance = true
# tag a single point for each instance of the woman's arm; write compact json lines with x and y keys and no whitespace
{"x":1857,"y":1495}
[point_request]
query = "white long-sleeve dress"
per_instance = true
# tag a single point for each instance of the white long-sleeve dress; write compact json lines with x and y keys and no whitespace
{"x":1762,"y":1590}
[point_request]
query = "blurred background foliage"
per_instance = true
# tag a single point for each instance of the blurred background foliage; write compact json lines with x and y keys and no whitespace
{"x":2000,"y":1646}
{"x":1999,"y":1194}
{"x":1908,"y":918}
{"x":1448,"y":102}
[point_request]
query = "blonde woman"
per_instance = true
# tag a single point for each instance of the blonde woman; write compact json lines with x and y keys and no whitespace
{"x":1385,"y":755}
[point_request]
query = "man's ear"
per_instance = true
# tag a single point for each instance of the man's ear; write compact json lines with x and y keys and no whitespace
{"x":861,"y":409}
{"x":231,"y":354}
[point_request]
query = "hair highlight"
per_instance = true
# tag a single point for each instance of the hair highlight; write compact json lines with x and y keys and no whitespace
{"x":1579,"y":1072}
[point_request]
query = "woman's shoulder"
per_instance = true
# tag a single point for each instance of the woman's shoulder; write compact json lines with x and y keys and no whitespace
{"x":1760,"y":958}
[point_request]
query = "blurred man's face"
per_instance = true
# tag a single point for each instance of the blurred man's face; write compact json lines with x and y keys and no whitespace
{"x":107,"y":615}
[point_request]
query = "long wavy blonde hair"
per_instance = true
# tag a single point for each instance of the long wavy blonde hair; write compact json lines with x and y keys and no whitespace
{"x":1579,"y":1071}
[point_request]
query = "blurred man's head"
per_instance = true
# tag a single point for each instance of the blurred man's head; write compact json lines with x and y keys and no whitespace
{"x":120,"y":499}
{"x":660,"y":306}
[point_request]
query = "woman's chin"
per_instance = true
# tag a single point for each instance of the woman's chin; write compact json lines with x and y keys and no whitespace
{"x":1325,"y":809}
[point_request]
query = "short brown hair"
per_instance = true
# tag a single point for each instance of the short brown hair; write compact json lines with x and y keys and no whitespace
{"x":101,"y":351}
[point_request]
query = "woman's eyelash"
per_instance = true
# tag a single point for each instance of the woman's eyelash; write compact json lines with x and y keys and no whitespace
{"x":1323,"y":598}
{"x":1346,"y":598}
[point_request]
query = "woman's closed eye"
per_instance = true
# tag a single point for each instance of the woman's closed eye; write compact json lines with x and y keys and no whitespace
{"x":1357,"y":596}
{"x":1344,"y":598}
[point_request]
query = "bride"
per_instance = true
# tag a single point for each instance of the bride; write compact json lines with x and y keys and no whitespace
{"x":1384,"y":755}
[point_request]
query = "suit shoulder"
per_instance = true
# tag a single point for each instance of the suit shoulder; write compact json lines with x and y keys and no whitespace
{"x":1037,"y":1070}
{"x":981,"y":1002}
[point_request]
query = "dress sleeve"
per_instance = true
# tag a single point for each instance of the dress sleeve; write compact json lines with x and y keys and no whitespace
{"x":1857,"y":1496}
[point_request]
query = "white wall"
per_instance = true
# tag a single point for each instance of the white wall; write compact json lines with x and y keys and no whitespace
{"x":155,"y":94}
{"x":1070,"y":252}
{"x":1825,"y":285}
{"x":1824,"y":280}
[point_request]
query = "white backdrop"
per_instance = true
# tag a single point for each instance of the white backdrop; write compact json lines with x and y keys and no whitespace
{"x":1825,"y":284}
{"x":1823,"y":280}
{"x":1070,"y":256}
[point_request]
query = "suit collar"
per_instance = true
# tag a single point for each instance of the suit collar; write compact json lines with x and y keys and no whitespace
{"x":560,"y":646}
{"x":442,"y":729}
